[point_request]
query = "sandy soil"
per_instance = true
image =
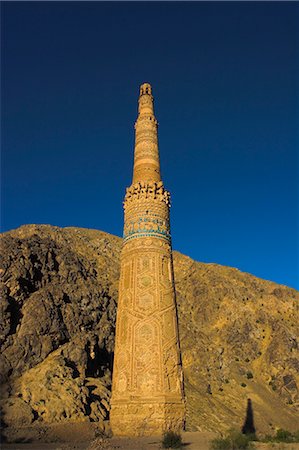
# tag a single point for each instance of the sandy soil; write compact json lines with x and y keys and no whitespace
{"x":79,"y":438}
{"x":192,"y":441}
{"x":82,"y":436}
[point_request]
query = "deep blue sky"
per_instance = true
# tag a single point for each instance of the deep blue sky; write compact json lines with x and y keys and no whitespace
{"x":224,"y":80}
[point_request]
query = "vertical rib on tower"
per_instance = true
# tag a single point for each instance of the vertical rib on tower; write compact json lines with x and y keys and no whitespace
{"x":147,"y":389}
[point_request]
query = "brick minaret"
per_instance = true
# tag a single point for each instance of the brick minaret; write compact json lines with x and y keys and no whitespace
{"x":147,"y":388}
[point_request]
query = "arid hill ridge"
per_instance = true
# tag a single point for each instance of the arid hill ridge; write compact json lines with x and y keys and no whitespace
{"x":238,"y":333}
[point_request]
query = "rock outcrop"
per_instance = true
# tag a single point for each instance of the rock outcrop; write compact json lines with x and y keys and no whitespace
{"x":238,"y":333}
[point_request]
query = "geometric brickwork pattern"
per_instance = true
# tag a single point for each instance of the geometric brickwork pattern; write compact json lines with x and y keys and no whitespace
{"x":147,"y":388}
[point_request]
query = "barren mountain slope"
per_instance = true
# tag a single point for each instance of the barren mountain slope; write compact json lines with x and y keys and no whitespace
{"x":239,"y":334}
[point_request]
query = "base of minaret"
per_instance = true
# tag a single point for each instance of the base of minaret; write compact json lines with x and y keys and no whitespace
{"x":146,"y":418}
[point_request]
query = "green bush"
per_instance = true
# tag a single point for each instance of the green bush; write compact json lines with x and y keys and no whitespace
{"x":283,"y":436}
{"x":220,"y":444}
{"x":233,"y":441}
{"x":249,"y":375}
{"x":172,"y":440}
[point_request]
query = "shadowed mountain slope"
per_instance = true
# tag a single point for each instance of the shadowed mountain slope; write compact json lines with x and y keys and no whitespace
{"x":238,"y":333}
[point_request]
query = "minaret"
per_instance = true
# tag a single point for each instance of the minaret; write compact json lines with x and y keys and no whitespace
{"x":147,"y":389}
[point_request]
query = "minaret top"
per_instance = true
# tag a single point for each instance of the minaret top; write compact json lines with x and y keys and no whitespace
{"x":146,"y":157}
{"x":146,"y":101}
{"x":145,"y":88}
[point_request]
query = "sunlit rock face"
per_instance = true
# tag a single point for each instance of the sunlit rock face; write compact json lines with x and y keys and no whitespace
{"x":238,"y":334}
{"x":147,"y":389}
{"x":57,"y":333}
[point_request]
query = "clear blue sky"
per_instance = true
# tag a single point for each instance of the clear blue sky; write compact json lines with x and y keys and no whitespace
{"x":225,"y":81}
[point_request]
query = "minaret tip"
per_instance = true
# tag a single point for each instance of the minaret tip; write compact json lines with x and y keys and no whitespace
{"x":145,"y":88}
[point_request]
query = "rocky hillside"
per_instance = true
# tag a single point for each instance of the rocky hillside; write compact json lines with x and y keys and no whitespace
{"x":239,"y":334}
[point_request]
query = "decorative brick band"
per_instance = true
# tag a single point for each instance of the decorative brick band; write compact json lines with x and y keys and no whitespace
{"x":151,"y":190}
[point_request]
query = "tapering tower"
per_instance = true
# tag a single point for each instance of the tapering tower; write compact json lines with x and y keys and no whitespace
{"x":147,"y":388}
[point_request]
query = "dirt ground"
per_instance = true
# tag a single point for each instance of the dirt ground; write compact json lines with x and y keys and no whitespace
{"x":192,"y":441}
{"x":83,"y":436}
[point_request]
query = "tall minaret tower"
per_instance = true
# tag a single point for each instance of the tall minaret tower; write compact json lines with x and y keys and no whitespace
{"x":147,"y":388}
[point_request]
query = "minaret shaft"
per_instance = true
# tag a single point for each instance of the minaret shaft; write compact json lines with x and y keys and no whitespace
{"x":147,"y":390}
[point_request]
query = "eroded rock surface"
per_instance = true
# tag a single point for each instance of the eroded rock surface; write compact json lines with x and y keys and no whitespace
{"x":239,"y":334}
